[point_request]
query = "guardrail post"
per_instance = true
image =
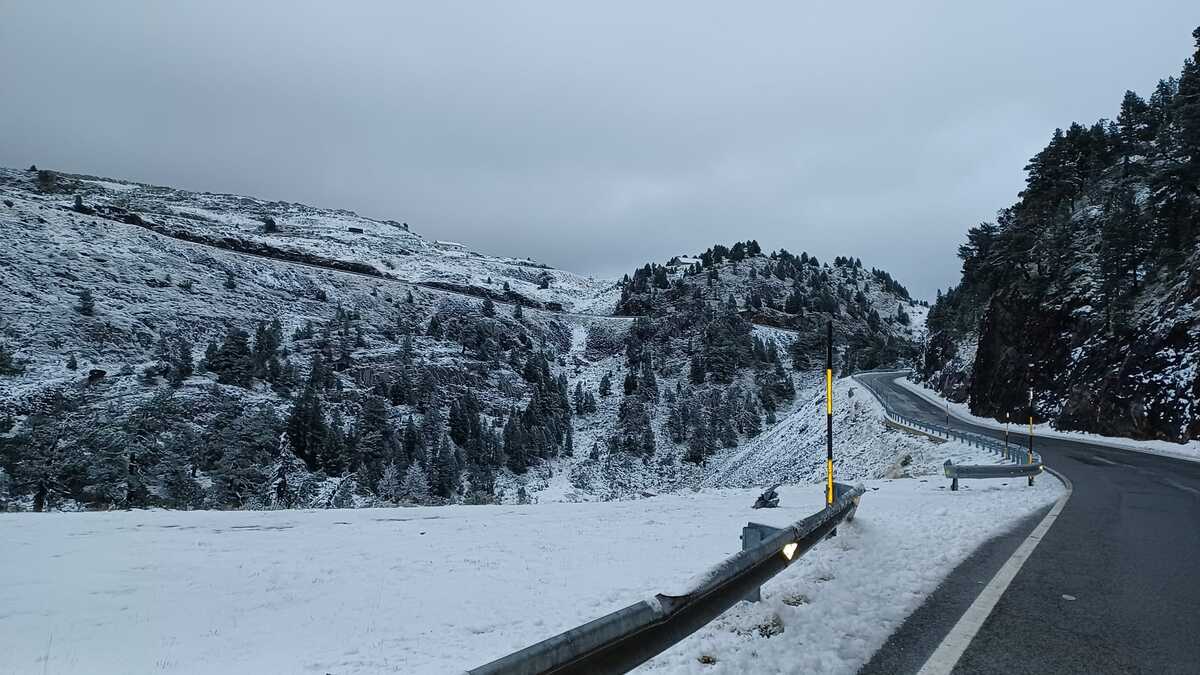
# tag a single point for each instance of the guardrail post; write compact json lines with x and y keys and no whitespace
{"x":754,"y":534}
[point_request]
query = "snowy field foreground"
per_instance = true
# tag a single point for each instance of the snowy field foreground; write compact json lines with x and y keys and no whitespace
{"x":438,"y":590}
{"x":1189,"y":451}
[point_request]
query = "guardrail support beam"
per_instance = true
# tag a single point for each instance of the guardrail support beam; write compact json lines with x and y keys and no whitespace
{"x":754,"y":534}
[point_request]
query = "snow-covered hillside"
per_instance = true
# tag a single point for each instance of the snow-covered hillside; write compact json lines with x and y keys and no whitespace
{"x":391,"y":248}
{"x":794,"y":450}
{"x":160,"y":347}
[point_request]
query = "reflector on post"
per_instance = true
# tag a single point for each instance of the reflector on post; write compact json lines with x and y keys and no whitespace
{"x":789,"y":551}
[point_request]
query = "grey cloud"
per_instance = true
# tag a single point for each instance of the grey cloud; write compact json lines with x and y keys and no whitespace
{"x":592,"y":137}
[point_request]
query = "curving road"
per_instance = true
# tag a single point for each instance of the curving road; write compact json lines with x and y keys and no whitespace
{"x":1113,"y":586}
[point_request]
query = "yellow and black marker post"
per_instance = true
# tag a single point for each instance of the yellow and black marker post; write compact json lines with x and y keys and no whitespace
{"x":1031,"y":430}
{"x":829,"y":418}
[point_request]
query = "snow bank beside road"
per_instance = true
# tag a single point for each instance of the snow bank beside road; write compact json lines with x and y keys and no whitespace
{"x":429,"y":590}
{"x":839,"y":603}
{"x":794,"y":450}
{"x":1189,"y":451}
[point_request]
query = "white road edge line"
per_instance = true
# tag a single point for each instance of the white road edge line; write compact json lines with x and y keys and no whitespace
{"x":952,"y":647}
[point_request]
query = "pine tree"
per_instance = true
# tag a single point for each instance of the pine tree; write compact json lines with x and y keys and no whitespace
{"x":72,"y":364}
{"x":676,"y":428}
{"x":751,"y":422}
{"x":233,"y":362}
{"x":700,"y":443}
{"x":240,"y":477}
{"x":489,"y":308}
{"x":696,"y":370}
{"x":267,"y":341}
{"x":87,"y":304}
{"x":410,"y":443}
{"x":182,"y":365}
{"x":428,"y":392}
{"x":108,"y":472}
{"x":287,"y":477}
{"x":432,"y":428}
{"x":1187,"y":110}
{"x":163,"y":351}
{"x":648,"y":384}
{"x":332,"y":455}
{"x":605,"y":385}
{"x":579,"y":401}
{"x":390,"y":484}
{"x":516,"y":445}
{"x":5,"y":489}
{"x":1135,"y":122}
{"x":400,"y":393}
{"x":445,"y":470}
{"x":724,"y":417}
{"x":343,"y":494}
{"x":307,"y":429}
{"x":435,"y":328}
{"x":8,"y":363}
{"x":415,"y":489}
{"x":518,"y":313}
{"x":40,"y":469}
{"x":631,"y":383}
{"x":633,"y":434}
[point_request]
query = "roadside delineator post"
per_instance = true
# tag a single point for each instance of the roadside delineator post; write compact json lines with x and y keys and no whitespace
{"x":829,"y":418}
{"x":1031,"y":431}
{"x":1006,"y":416}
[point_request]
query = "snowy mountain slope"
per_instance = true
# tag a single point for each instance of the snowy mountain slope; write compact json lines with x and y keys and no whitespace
{"x":147,"y":287}
{"x":149,"y":290}
{"x":594,"y":472}
{"x":152,"y":354}
{"x":385,"y":246}
{"x":871,"y":312}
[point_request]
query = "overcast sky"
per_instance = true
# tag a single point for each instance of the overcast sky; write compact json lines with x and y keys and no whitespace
{"x":592,"y":136}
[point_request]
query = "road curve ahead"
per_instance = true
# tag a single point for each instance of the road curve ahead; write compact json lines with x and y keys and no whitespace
{"x":1114,"y":586}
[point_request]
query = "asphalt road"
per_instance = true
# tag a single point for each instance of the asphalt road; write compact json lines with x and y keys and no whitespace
{"x":1113,"y":587}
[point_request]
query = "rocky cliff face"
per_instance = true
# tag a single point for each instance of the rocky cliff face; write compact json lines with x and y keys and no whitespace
{"x":1087,"y":290}
{"x":1139,"y":383}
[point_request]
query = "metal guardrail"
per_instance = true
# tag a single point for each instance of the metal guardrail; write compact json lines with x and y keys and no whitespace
{"x":1024,"y":463}
{"x":628,"y":637}
{"x":956,"y":471}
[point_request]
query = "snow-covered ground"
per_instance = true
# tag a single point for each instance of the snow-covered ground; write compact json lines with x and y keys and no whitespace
{"x":433,"y":590}
{"x":1188,"y":451}
{"x":794,"y":450}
